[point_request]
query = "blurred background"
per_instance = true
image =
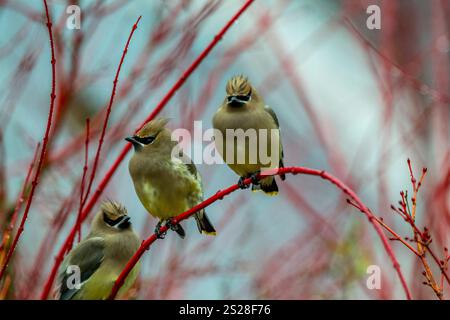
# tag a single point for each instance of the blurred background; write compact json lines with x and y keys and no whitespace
{"x":352,"y":101}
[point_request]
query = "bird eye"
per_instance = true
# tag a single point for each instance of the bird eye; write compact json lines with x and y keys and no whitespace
{"x":145,"y":140}
{"x":243,"y":98}
{"x":239,"y":98}
{"x":109,"y":221}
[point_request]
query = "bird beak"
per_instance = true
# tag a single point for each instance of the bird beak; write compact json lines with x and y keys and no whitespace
{"x":137,"y":145}
{"x":232,"y":99}
{"x":131,"y":139}
{"x":124,"y":222}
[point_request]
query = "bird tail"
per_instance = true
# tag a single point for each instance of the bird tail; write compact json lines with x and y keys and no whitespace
{"x":179,"y":230}
{"x":269,"y":186}
{"x":204,"y":225}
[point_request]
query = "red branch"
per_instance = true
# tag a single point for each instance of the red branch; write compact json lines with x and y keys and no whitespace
{"x":35,"y":181}
{"x":20,"y":200}
{"x":108,"y":112}
{"x":83,"y":178}
{"x":222,"y":193}
{"x":90,"y":204}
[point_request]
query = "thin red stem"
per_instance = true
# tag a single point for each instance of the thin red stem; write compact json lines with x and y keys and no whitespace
{"x":83,"y":178}
{"x":392,"y":232}
{"x":20,"y":199}
{"x":441,"y":267}
{"x":108,"y":112}
{"x":35,"y":181}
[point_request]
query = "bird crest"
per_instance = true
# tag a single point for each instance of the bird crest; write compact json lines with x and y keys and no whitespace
{"x":113,"y":209}
{"x":152,"y":128}
{"x":239,"y":85}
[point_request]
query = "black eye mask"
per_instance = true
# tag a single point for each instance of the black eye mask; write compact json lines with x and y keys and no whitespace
{"x":239,"y":98}
{"x":109,"y":221}
{"x":144,"y":140}
{"x":120,"y":223}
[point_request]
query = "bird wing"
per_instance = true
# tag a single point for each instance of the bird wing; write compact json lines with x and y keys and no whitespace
{"x":203,"y":223}
{"x":88,"y":256}
{"x":186,"y":161}
{"x":275,"y":118}
{"x":193,"y":171}
{"x":192,"y":168}
{"x":272,"y":114}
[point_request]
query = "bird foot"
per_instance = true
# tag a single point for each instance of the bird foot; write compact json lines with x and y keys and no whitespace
{"x":254,"y":177}
{"x":172,"y":226}
{"x":241,"y":183}
{"x":159,"y":235}
{"x":176,"y":227}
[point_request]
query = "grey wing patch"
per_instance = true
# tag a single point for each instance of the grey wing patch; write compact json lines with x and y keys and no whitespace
{"x":203,"y":223}
{"x":187,"y":162}
{"x":88,"y":256}
{"x":275,"y":118}
{"x":192,"y":169}
{"x":272,"y":114}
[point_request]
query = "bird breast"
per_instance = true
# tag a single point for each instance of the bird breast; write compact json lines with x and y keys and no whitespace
{"x":167,"y":189}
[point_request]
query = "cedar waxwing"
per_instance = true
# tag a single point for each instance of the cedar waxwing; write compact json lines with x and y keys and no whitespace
{"x":165,"y":185}
{"x":243,"y":108}
{"x":100,"y":257}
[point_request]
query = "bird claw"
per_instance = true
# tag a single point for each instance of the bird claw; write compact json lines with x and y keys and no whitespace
{"x":254,"y":177}
{"x":172,"y":226}
{"x":159,"y":235}
{"x":175,"y":226}
{"x":241,"y":183}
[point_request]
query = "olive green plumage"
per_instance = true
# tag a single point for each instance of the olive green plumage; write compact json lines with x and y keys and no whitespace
{"x":165,"y":185}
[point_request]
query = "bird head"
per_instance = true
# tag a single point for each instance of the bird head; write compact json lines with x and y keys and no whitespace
{"x":151,"y":136}
{"x":114,"y":215}
{"x":239,"y":91}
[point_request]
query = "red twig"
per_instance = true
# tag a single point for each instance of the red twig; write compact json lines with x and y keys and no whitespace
{"x":20,"y":200}
{"x":83,"y":178}
{"x":392,"y":232}
{"x":413,"y":179}
{"x":423,"y":239}
{"x":35,"y":181}
{"x":90,"y":204}
{"x":108,"y":113}
{"x":222,"y":193}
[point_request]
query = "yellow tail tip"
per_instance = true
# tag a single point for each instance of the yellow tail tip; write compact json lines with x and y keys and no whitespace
{"x":209,"y":233}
